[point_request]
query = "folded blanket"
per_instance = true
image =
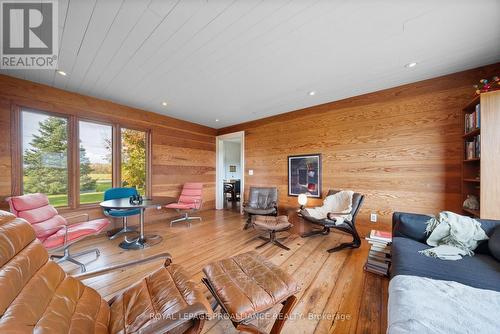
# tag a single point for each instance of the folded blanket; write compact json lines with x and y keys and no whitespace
{"x":339,"y":205}
{"x":453,"y":236}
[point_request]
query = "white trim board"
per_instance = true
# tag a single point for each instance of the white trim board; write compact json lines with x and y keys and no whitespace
{"x":219,"y":167}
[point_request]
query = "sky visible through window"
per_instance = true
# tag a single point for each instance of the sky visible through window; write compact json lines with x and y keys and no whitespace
{"x":93,"y":138}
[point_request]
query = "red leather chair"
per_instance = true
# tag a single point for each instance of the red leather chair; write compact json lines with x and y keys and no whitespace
{"x":189,"y":201}
{"x":53,"y":230}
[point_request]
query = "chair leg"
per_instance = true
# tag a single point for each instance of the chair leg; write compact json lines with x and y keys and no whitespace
{"x":273,"y":240}
{"x":267,"y":240}
{"x":284,"y":314}
{"x":248,"y":223}
{"x":185,"y":217}
{"x":355,"y":243}
{"x":67,"y":256}
{"x":324,"y":231}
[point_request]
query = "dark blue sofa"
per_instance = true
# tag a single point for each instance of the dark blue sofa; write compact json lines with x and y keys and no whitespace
{"x":480,"y":271}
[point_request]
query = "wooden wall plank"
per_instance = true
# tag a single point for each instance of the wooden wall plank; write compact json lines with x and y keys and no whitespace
{"x":181,"y":151}
{"x":401,"y":146}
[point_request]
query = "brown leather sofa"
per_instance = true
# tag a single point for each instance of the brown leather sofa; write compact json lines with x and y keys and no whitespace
{"x":36,"y":295}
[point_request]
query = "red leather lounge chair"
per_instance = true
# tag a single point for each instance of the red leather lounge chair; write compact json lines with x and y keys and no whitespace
{"x":53,"y":230}
{"x":189,"y":201}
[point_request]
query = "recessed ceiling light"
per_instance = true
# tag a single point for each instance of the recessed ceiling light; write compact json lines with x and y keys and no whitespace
{"x":312,"y":93}
{"x":164,"y":103}
{"x":216,"y":119}
{"x":62,"y":73}
{"x":409,"y":65}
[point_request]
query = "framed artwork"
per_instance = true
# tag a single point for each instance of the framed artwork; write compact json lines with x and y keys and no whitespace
{"x":304,"y":175}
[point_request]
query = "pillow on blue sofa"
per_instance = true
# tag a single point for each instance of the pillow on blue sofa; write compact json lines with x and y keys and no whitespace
{"x":494,"y":243}
{"x":488,"y":226}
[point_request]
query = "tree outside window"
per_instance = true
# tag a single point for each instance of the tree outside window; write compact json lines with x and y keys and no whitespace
{"x":133,"y":156}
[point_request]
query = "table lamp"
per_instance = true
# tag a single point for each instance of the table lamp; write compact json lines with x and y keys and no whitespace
{"x":302,"y":199}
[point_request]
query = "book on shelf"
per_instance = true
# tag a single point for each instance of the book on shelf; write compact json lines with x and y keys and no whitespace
{"x":473,"y":148}
{"x":379,"y":256}
{"x":473,"y":120}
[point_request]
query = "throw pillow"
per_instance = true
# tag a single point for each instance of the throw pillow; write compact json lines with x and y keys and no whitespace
{"x":494,"y":243}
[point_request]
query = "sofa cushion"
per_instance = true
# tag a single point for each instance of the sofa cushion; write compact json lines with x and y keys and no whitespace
{"x":494,"y":243}
{"x":480,"y":271}
{"x":489,"y":227}
{"x":410,"y":225}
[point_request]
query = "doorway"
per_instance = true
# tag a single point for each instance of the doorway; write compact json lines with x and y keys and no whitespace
{"x":230,"y":167}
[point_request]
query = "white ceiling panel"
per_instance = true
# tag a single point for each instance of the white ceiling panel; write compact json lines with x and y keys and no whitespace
{"x":239,"y":60}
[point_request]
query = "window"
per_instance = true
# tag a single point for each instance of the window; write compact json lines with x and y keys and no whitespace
{"x":133,"y":159}
{"x":45,"y":156}
{"x":96,"y":156}
{"x":74,"y":160}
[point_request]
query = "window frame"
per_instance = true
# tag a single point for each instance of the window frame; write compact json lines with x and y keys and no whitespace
{"x":77,"y":166}
{"x":73,"y":154}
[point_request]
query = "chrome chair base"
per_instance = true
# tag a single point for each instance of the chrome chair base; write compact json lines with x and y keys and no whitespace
{"x":185,"y":217}
{"x":67,"y":256}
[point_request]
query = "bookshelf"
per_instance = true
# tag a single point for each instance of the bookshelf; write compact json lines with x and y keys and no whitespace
{"x":481,"y":154}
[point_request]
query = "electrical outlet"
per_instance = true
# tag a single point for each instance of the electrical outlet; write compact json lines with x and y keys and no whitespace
{"x":250,"y":172}
{"x":373,"y":217}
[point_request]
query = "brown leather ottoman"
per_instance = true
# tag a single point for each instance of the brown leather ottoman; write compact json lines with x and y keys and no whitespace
{"x":272,"y":225}
{"x":246,"y":285}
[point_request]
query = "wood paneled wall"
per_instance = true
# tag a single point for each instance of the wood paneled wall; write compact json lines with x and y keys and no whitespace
{"x":401,"y":147}
{"x":181,"y":151}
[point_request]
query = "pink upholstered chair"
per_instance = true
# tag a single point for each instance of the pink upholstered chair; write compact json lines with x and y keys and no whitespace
{"x":53,"y":230}
{"x":189,"y":201}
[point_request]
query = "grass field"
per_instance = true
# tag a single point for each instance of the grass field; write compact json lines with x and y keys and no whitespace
{"x":103,"y":183}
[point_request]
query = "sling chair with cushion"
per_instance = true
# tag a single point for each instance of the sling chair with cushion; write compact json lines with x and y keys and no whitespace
{"x":54,"y":231}
{"x":190,"y":200}
{"x":347,"y":226}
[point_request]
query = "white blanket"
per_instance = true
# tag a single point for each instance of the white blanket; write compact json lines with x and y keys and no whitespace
{"x":423,"y":305}
{"x":453,"y":236}
{"x":339,"y":205}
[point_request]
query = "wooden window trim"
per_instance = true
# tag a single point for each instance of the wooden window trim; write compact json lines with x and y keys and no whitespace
{"x":73,"y":152}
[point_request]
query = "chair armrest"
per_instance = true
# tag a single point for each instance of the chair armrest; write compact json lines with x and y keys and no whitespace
{"x":103,"y":271}
{"x":167,"y":324}
{"x":333,"y":216}
{"x":306,"y":216}
{"x":86,"y":215}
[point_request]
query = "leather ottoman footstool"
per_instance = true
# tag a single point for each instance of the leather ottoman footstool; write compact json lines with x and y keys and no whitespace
{"x":272,"y":225}
{"x":246,"y":285}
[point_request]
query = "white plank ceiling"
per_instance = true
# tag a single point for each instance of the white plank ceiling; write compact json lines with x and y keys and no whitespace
{"x":239,"y":60}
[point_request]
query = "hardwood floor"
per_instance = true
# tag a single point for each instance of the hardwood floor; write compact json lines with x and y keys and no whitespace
{"x":337,"y":296}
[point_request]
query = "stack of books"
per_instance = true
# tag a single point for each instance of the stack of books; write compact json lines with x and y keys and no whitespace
{"x":473,"y":120}
{"x":379,"y":257}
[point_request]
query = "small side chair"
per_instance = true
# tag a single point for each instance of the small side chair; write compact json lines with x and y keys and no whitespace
{"x":262,"y":201}
{"x":190,"y":200}
{"x":116,"y":193}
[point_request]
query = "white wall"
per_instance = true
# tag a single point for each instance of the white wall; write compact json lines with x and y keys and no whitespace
{"x":232,"y":154}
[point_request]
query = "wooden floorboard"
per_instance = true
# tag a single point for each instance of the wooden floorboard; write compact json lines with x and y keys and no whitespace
{"x":336,"y":295}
